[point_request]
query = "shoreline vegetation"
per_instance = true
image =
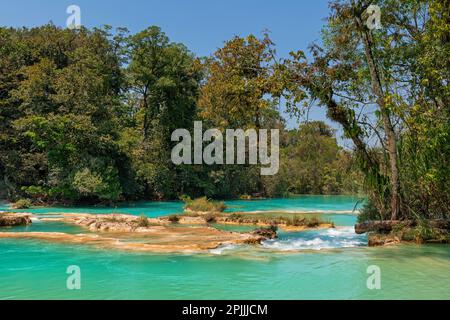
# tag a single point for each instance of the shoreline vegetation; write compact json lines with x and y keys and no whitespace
{"x":381,"y":233}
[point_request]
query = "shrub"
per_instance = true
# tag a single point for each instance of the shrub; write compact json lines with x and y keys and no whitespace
{"x":174,"y":218}
{"x":423,"y":232}
{"x":235,"y":217}
{"x":104,"y":185}
{"x":35,"y":191}
{"x":143,"y":222}
{"x":313,"y":222}
{"x":186,"y":199}
{"x":205,"y":205}
{"x":369,"y":213}
{"x":22,"y":204}
{"x":298,"y":221}
{"x":113,"y":218}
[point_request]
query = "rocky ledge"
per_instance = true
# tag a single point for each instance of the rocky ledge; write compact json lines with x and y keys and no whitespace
{"x":133,"y":233}
{"x":382,"y":233}
{"x":295,"y":224}
{"x":14,"y":219}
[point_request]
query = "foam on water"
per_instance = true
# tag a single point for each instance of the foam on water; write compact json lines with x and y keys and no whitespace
{"x":221,"y":249}
{"x":342,"y":237}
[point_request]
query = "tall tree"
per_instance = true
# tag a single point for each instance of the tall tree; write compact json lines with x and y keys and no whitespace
{"x":240,"y":85}
{"x":163,"y":79}
{"x":60,"y":106}
{"x":370,"y":81}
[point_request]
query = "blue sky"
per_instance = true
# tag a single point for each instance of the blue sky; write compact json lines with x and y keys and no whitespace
{"x":202,"y":25}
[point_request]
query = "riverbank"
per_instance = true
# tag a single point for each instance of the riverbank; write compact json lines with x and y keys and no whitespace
{"x":383,"y":233}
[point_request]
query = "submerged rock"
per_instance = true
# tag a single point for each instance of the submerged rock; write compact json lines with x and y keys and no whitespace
{"x":266,"y":233}
{"x":14,"y":219}
{"x":378,"y":240}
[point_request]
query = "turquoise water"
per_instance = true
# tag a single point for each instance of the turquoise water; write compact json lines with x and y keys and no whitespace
{"x":150,"y":209}
{"x":298,"y":203}
{"x":39,"y":226}
{"x":325,"y":264}
{"x":155,"y":209}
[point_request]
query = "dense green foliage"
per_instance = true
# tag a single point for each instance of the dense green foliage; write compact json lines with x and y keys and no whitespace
{"x":87,"y":116}
{"x":390,"y":86}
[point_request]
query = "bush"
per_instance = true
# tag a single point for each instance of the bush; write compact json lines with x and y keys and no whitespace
{"x":298,"y":221}
{"x":313,"y":222}
{"x":143,"y":222}
{"x":369,"y":213}
{"x":22,"y":204}
{"x":204,"y":205}
{"x":113,"y":219}
{"x":186,"y":199}
{"x":234,"y":217}
{"x":174,"y":218}
{"x":35,"y":191}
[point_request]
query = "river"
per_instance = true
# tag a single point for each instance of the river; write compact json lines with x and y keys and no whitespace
{"x":323,"y":264}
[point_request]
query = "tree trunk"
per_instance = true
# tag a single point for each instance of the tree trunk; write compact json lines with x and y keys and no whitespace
{"x":370,"y":165}
{"x":391,"y":139}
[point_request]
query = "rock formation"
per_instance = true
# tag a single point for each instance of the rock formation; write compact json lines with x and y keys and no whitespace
{"x":14,"y":219}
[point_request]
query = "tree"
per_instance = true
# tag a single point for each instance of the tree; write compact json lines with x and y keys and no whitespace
{"x":373,"y":83}
{"x":240,"y":89}
{"x":60,"y":108}
{"x":163,"y":80}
